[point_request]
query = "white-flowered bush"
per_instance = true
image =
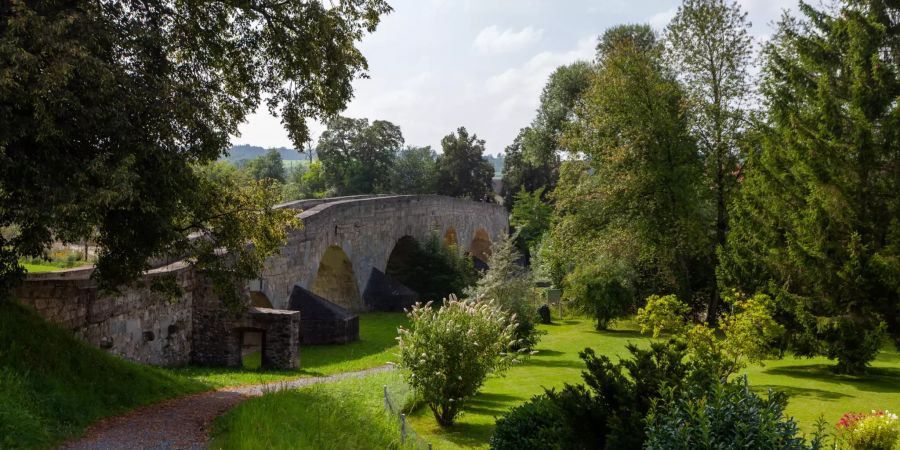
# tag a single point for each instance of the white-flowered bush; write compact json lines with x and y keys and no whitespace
{"x":447,"y":353}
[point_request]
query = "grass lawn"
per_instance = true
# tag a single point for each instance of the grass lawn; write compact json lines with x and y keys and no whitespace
{"x":376,"y":346}
{"x":37,"y":268}
{"x":813,"y":389}
{"x":347,"y":414}
{"x":52,"y":385}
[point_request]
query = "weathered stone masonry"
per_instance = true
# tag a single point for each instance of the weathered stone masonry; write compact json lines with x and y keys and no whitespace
{"x":137,"y":324}
{"x":360,"y":233}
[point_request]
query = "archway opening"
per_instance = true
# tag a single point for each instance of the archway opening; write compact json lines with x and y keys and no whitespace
{"x":480,"y":249}
{"x":335,"y":280}
{"x":252,"y":348}
{"x":450,"y":239}
{"x":401,"y":264}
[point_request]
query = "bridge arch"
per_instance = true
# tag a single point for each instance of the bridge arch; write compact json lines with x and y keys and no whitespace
{"x":336,"y":280}
{"x":402,"y":261}
{"x":480,"y":248}
{"x":450,"y":238}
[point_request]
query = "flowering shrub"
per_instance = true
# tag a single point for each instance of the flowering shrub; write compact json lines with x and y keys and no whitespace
{"x":447,"y":353}
{"x":878,"y":430}
{"x":745,"y":335}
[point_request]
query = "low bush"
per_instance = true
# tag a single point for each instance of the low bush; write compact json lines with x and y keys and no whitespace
{"x":608,"y":411}
{"x":724,"y":415}
{"x":876,"y":431}
{"x":535,"y":424}
{"x":746,"y":335}
{"x":448,"y":352}
{"x":438,"y":271}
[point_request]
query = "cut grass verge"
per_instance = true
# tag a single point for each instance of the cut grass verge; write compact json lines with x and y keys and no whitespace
{"x":52,"y":385}
{"x":346,"y":414}
{"x":376,"y":346}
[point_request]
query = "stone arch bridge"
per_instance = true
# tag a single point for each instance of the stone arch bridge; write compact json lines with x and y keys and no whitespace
{"x":344,"y":239}
{"x":343,"y":243}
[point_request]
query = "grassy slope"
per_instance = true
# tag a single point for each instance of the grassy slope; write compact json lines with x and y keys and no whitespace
{"x":348,"y":414}
{"x":375,"y":347}
{"x":52,"y":386}
{"x":813,"y":389}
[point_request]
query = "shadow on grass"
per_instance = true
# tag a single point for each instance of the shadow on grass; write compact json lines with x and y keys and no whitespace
{"x":878,"y":379}
{"x":540,"y":362}
{"x":793,"y":391}
{"x":620,"y":333}
{"x":468,"y":434}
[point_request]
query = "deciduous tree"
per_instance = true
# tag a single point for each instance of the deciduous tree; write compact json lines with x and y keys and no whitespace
{"x":462,"y":169}
{"x":106,"y":108}
{"x":708,"y":43}
{"x":357,"y":157}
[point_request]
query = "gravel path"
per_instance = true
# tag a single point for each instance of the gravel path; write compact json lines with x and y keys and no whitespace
{"x":184,"y":423}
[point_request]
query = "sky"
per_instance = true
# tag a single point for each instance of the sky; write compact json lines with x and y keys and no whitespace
{"x":436,"y":65}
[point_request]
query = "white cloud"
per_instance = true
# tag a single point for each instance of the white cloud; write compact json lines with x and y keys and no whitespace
{"x":492,"y":40}
{"x":518,"y":89}
{"x":660,"y":20}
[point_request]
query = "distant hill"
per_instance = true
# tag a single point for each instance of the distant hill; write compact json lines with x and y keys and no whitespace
{"x":239,"y":152}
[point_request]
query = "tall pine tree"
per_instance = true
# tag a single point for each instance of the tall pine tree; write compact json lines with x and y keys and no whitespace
{"x":818,"y":222}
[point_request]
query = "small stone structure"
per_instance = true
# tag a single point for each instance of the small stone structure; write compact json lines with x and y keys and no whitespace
{"x":218,"y":337}
{"x":323,"y":321}
{"x":385,"y":293}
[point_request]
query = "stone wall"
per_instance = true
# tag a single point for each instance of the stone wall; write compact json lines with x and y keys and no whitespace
{"x":136,"y":324}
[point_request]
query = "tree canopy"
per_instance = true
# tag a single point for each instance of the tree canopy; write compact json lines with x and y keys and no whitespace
{"x":106,"y":108}
{"x":356,"y":156}
{"x":462,"y":170}
{"x":818,"y":220}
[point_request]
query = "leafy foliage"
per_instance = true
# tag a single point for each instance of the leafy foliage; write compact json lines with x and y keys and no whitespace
{"x":663,"y":314}
{"x":357,"y":157}
{"x":530,"y":216}
{"x":438,"y":270}
{"x":709,"y":44}
{"x":608,"y":411}
{"x":816,"y":224}
{"x":269,"y":166}
{"x":448,"y":352}
{"x":535,"y":424}
{"x":462,"y":170}
{"x":414,"y":171}
{"x":240,"y":217}
{"x":510,"y":286}
{"x":105,"y":107}
{"x":723,"y":415}
{"x":629,"y":215}
{"x":746,"y":335}
{"x":876,"y":431}
{"x":532,"y":161}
